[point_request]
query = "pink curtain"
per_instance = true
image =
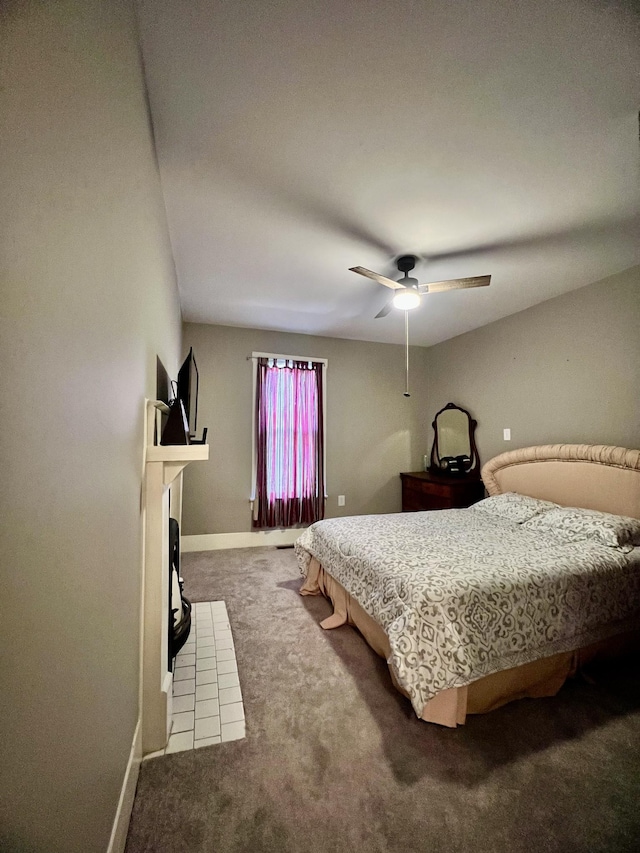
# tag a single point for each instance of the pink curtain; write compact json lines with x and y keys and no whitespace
{"x":290,"y":444}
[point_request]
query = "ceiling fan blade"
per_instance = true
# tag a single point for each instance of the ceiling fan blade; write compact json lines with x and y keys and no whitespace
{"x":381,"y":279}
{"x":384,"y":311}
{"x":455,"y":284}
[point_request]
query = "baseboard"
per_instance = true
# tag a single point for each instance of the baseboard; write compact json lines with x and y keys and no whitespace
{"x":251,"y":539}
{"x":118,"y":839}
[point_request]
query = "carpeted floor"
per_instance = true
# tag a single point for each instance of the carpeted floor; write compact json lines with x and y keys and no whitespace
{"x":335,"y":760}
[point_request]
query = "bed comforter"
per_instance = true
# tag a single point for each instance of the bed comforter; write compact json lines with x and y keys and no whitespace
{"x":462,"y":594}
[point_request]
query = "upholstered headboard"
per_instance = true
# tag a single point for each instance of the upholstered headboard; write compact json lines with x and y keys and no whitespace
{"x":593,"y":476}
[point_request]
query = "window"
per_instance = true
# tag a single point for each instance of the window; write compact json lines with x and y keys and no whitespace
{"x":289,"y":441}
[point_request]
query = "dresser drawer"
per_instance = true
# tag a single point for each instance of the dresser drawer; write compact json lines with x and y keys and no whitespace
{"x":425,"y":491}
{"x":422,"y":496}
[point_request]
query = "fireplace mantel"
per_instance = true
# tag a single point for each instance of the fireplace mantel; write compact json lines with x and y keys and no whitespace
{"x":163,"y":476}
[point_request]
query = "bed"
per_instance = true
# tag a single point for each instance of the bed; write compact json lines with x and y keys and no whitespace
{"x":473,"y":608}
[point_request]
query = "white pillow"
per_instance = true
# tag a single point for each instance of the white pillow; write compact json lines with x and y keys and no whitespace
{"x":514,"y":507}
{"x":573,"y":524}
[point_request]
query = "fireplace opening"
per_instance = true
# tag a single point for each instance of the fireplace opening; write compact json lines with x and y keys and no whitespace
{"x":179,"y":604}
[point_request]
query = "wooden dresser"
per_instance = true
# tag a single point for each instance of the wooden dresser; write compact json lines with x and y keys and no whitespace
{"x":423,"y":490}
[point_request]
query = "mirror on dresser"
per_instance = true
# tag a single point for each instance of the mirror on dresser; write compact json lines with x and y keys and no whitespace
{"x":454,"y":452}
{"x":453,"y":478}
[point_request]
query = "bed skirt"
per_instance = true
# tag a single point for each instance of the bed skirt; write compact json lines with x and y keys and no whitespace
{"x":450,"y":707}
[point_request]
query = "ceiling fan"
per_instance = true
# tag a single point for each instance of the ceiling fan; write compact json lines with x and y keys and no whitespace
{"x":409,"y":291}
{"x":409,"y":294}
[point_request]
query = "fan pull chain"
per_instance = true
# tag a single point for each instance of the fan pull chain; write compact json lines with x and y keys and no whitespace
{"x":406,"y":339}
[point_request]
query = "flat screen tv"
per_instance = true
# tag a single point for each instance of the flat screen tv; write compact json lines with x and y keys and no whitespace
{"x":183,"y":418}
{"x":187,"y":391}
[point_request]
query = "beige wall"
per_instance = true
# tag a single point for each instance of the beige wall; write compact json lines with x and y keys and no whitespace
{"x":567,"y":370}
{"x":373,"y":431}
{"x":88,"y":300}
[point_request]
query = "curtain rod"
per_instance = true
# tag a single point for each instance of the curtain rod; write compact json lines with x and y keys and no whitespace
{"x":254,"y":355}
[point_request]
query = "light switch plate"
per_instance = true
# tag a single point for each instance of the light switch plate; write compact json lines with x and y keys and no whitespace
{"x":340,"y":500}
{"x":506,"y":434}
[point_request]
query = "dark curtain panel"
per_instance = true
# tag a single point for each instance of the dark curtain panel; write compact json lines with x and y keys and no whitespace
{"x":290,"y":443}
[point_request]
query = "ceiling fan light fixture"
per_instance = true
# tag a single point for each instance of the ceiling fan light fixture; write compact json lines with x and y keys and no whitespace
{"x":406,"y":299}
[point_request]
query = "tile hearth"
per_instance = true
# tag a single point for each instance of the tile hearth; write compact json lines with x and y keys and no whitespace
{"x":207,"y":700}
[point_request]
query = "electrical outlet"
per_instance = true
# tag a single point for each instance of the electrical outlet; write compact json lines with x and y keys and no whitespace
{"x":506,"y":434}
{"x":340,"y":500}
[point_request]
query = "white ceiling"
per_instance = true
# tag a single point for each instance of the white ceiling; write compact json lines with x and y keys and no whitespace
{"x":297,"y":138}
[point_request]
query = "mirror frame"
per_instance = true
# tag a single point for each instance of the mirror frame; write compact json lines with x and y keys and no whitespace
{"x":474,"y":468}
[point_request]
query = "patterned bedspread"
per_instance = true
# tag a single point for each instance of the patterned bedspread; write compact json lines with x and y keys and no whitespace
{"x":462,"y":594}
